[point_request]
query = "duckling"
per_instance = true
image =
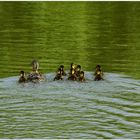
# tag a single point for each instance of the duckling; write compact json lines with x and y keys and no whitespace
{"x":59,"y":74}
{"x":62,"y":70}
{"x":73,"y":67}
{"x":78,"y":70}
{"x":81,"y":76}
{"x":98,"y":73}
{"x":72,"y":75}
{"x":22,"y":78}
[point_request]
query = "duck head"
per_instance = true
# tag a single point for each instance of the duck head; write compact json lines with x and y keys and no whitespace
{"x":35,"y":65}
{"x":73,"y":66}
{"x":98,"y":67}
{"x":61,"y":67}
{"x":22,"y":74}
{"x":78,"y":68}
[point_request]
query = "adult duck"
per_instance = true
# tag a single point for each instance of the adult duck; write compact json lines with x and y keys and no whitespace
{"x":35,"y":76}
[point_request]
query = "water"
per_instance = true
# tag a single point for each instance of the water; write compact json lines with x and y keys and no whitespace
{"x":86,"y":33}
{"x":67,"y":109}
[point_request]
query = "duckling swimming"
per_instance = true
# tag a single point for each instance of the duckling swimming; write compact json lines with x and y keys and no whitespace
{"x":62,"y":70}
{"x":22,"y":78}
{"x":72,"y":74}
{"x":72,"y":67}
{"x":59,"y":75}
{"x":81,"y":76}
{"x":78,"y":70}
{"x":98,"y":73}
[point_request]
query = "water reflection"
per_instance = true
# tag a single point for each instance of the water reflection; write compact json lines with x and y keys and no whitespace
{"x":87,"y":33}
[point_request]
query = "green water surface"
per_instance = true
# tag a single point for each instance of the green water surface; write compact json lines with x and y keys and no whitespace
{"x":54,"y":33}
{"x":86,"y":33}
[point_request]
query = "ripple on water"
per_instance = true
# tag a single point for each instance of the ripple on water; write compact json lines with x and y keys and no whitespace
{"x":67,"y":109}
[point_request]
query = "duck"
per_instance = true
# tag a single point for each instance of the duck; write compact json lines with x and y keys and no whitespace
{"x":22,"y":78}
{"x":78,"y":70}
{"x":72,"y":67}
{"x":81,"y":76}
{"x":98,"y":73}
{"x":72,"y":74}
{"x":35,"y":75}
{"x":59,"y":74}
{"x":62,"y":70}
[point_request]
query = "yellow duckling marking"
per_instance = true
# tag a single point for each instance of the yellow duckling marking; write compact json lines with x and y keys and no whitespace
{"x":73,"y":66}
{"x":72,"y":72}
{"x":98,"y":72}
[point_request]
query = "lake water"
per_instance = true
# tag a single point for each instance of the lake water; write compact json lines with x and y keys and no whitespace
{"x":86,"y":33}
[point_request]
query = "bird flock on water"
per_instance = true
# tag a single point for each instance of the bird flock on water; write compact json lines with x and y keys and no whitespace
{"x":75,"y":74}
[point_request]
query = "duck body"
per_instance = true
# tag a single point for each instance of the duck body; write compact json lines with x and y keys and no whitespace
{"x":62,"y":70}
{"x":35,"y":77}
{"x":78,"y":70}
{"x":98,"y":73}
{"x":59,"y":75}
{"x":98,"y":77}
{"x":22,"y":78}
{"x":81,"y":76}
{"x":72,"y":77}
{"x":72,"y":74}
